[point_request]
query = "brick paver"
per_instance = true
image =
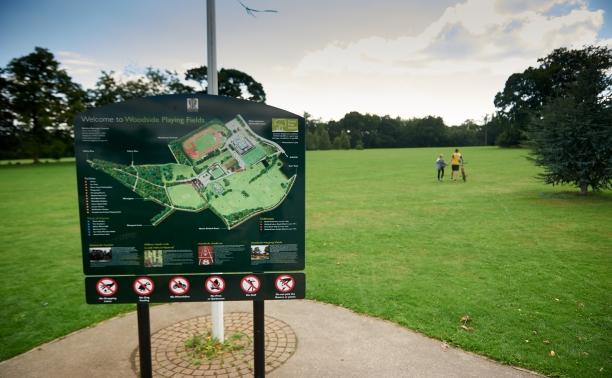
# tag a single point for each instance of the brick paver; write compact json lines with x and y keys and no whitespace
{"x":171,"y":358}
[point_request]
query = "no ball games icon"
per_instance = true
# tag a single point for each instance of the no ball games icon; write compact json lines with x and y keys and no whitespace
{"x":214,"y":285}
{"x":250,"y":284}
{"x":143,"y":286}
{"x":284,"y":283}
{"x":179,"y":285}
{"x":106,"y":287}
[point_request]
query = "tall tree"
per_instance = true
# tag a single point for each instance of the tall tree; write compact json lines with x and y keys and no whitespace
{"x":572,"y":135}
{"x":232,"y":83}
{"x":525,"y":94}
{"x":8,"y":130}
{"x":43,"y":99}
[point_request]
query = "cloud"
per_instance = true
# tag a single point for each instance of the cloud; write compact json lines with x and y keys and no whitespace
{"x":74,"y":61}
{"x":481,"y":39}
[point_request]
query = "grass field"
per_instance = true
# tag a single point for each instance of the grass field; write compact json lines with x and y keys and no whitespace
{"x":185,"y":196}
{"x":42,"y":291}
{"x":530,"y":264}
{"x":265,"y":192}
{"x":254,"y":155}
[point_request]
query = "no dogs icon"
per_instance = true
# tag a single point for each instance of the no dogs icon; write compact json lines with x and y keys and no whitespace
{"x":214,"y":285}
{"x":179,"y":285}
{"x":106,"y":287}
{"x":143,"y":286}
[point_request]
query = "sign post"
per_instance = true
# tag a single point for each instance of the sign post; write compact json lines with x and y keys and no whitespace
{"x":213,"y":89}
{"x":144,"y":339}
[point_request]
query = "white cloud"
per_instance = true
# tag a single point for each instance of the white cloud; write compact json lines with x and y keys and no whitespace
{"x":81,"y":68}
{"x":452,"y":68}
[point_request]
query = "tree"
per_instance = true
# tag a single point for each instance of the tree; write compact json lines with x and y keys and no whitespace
{"x":525,"y":94}
{"x":312,"y":140}
{"x":342,"y":141}
{"x":323,"y":138}
{"x":8,"y":130}
{"x":232,"y":83}
{"x":43,"y":100}
{"x":572,"y":135}
{"x":109,"y":90}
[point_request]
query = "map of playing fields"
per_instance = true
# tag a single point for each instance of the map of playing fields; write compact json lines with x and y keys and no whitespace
{"x":224,"y":167}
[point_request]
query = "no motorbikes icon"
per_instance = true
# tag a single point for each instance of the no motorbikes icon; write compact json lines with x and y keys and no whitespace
{"x":179,"y":285}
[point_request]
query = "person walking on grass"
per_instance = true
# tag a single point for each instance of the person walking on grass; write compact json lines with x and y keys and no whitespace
{"x":456,"y":159}
{"x":440,"y":164}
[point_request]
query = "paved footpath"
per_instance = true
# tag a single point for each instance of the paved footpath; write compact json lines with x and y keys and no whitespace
{"x":331,"y":342}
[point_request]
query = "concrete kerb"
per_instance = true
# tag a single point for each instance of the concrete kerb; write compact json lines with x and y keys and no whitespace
{"x":332,"y":342}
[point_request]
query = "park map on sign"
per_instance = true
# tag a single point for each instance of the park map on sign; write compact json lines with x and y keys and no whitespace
{"x":224,"y":167}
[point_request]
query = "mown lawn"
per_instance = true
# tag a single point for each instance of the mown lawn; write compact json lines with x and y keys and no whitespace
{"x":42,"y":292}
{"x":531,"y":265}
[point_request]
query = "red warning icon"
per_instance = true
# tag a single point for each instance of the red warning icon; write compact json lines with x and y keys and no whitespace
{"x":284,"y":283}
{"x":143,"y":286}
{"x":214,"y":285}
{"x":179,"y":285}
{"x":107,"y":287}
{"x":250,"y":284}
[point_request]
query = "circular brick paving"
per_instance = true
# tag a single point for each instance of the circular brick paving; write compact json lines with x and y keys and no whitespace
{"x":170,"y":358}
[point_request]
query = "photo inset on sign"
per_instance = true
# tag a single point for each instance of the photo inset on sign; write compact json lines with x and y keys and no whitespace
{"x":260,"y":252}
{"x":206,"y":255}
{"x":100,"y":254}
{"x":154,"y":258}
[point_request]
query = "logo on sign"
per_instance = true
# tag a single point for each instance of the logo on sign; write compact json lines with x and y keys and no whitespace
{"x":106,"y":287}
{"x":179,"y":285}
{"x":250,"y":284}
{"x":214,"y":285}
{"x":192,"y":105}
{"x":284,"y":283}
{"x":143,"y":286}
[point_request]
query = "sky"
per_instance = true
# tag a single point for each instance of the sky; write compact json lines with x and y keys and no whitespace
{"x":400,"y":58}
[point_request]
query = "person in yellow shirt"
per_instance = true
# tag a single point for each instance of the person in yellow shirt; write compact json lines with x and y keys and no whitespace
{"x":456,"y":159}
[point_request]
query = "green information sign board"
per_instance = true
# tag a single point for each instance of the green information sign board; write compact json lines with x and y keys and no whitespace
{"x":190,"y":184}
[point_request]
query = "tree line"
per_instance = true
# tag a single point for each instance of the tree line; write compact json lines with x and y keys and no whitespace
{"x":359,"y":131}
{"x":39,"y":100}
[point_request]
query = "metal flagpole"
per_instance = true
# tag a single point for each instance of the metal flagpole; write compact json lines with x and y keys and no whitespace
{"x":213,"y":89}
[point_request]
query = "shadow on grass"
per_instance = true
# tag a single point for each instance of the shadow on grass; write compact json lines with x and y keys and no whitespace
{"x":575,"y":195}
